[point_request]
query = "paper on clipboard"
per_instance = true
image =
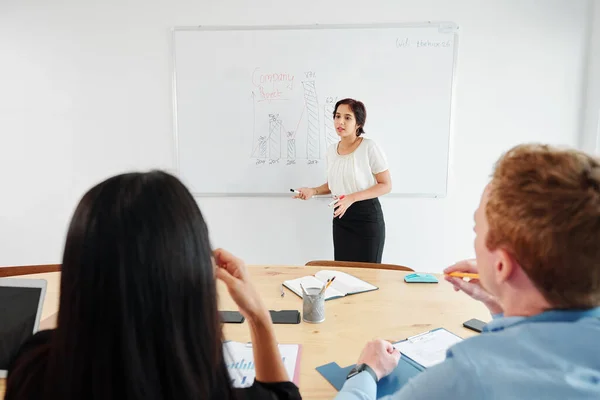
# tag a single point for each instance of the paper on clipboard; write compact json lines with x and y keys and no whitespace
{"x":429,"y":348}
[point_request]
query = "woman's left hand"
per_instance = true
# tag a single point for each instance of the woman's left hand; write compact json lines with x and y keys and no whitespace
{"x":232,"y":271}
{"x":342,"y":205}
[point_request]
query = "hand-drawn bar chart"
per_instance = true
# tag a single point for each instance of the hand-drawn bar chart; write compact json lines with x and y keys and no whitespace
{"x":288,"y":118}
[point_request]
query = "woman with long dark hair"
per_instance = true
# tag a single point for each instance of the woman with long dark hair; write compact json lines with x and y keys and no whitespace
{"x":138,"y":315}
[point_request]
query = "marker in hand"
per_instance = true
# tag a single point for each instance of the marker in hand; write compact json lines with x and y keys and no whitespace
{"x":294,"y":191}
{"x":336,"y":200}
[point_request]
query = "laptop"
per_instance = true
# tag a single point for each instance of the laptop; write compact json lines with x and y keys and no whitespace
{"x":21,"y":302}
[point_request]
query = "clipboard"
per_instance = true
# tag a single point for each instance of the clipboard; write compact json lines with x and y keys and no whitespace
{"x":407,"y":367}
{"x":428,"y":348}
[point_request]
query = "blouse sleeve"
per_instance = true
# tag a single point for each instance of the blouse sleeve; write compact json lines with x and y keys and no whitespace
{"x":377,"y":159}
{"x":271,"y":391}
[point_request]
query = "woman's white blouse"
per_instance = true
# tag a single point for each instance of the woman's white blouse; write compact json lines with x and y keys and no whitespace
{"x":356,"y":171}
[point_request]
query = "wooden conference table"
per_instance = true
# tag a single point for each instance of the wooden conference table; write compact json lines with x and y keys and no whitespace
{"x":395,"y":311}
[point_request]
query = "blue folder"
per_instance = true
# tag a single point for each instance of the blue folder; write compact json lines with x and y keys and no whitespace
{"x":405,"y":370}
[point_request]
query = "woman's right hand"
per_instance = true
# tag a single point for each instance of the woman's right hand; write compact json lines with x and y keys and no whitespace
{"x":305,"y":193}
{"x":232,"y":271}
{"x":473,"y":287}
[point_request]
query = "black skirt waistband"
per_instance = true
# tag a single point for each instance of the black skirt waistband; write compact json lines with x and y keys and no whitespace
{"x":364,"y":210}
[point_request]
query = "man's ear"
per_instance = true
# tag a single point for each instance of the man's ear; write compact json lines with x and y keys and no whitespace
{"x":504,"y":266}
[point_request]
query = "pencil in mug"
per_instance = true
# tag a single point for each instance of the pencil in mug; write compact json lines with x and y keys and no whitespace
{"x":463,"y":275}
{"x":329,"y":281}
{"x":303,"y":290}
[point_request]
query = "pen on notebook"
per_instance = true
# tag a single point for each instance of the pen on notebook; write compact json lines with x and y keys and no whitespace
{"x":463,"y":275}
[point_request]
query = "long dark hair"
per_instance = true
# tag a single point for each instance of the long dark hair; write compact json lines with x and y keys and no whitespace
{"x":138,"y":312}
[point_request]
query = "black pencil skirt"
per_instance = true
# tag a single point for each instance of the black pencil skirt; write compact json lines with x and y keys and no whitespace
{"x":360,"y":234}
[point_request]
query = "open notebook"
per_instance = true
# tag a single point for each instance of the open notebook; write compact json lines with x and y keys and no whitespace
{"x":343,"y":285}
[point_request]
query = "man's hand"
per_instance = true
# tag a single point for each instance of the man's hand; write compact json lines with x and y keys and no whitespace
{"x":381,"y":356}
{"x":473,"y":288}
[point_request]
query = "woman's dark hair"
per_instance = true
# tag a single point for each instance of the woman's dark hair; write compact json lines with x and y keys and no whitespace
{"x":359,"y":110}
{"x":138,"y":315}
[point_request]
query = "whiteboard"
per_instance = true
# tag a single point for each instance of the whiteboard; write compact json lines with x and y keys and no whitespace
{"x":253,"y":105}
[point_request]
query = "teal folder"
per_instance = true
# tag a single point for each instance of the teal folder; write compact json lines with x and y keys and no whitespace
{"x":407,"y":368}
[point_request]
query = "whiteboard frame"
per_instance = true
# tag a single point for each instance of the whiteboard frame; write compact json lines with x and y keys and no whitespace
{"x":443,"y":26}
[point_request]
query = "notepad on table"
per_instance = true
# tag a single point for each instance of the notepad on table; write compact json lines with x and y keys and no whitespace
{"x":343,"y":285}
{"x":239,"y":361}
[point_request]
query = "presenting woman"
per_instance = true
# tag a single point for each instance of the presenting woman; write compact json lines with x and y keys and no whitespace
{"x":357,"y":174}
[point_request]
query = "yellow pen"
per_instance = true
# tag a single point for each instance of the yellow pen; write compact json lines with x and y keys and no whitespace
{"x":463,"y":275}
{"x":327,"y":285}
{"x":330,"y":282}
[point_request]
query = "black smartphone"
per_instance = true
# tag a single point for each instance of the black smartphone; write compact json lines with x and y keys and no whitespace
{"x":285,"y":316}
{"x":474,"y":324}
{"x":231,"y":317}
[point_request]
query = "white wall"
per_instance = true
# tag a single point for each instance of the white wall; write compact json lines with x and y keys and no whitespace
{"x":86,"y":93}
{"x":590,"y":134}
